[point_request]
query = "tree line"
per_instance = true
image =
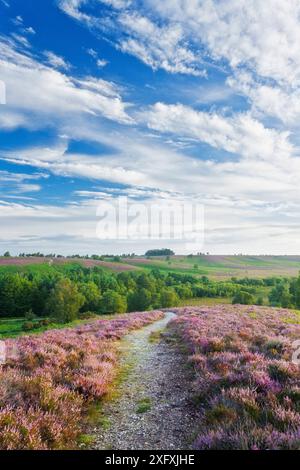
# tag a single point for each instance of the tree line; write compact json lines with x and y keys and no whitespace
{"x":69,"y":292}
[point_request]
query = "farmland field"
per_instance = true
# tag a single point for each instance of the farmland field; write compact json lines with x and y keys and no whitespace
{"x":222,"y":267}
{"x":215,"y":266}
{"x":20,"y":262}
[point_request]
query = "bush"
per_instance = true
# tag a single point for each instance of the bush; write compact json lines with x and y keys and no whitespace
{"x":30,"y":315}
{"x":46,"y":386}
{"x":86,"y":315}
{"x":243,"y":297}
{"x":44,"y":322}
{"x":29,"y":325}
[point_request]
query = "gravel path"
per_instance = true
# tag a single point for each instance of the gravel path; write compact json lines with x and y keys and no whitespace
{"x":154,"y":408}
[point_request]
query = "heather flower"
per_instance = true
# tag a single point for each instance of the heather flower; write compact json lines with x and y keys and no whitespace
{"x":44,"y":386}
{"x":247,"y":386}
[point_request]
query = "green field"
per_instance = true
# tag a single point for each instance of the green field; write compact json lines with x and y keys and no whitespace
{"x":13,"y":327}
{"x":222,"y":267}
{"x":214,"y":266}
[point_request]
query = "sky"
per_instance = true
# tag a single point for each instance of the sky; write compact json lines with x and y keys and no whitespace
{"x":174,"y":103}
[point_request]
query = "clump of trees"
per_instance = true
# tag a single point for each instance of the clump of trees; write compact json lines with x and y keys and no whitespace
{"x":160,"y":252}
{"x":286,"y":293}
{"x":66,"y":292}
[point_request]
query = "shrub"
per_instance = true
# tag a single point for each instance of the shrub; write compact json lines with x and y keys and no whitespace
{"x":29,"y":325}
{"x":245,"y":380}
{"x":44,"y":388}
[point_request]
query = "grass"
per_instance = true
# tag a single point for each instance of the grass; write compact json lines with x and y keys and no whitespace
{"x":204,"y":301}
{"x":155,"y":336}
{"x":223,"y":267}
{"x":86,"y":440}
{"x":13,"y":327}
{"x":144,"y":405}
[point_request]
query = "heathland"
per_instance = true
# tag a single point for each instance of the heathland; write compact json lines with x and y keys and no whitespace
{"x":184,"y":369}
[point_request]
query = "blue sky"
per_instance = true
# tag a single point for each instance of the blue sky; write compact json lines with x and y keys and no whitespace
{"x":180,"y":101}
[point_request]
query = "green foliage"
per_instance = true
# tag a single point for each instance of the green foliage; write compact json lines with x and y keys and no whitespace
{"x":243,"y":297}
{"x":144,"y":405}
{"x":260,"y":300}
{"x":169,"y":298}
{"x":140,"y":300}
{"x":113,"y":302}
{"x":28,"y":326}
{"x":65,"y":301}
{"x":67,"y":291}
{"x":92,"y":296}
{"x":161,"y":252}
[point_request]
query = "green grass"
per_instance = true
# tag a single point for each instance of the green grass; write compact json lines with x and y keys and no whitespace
{"x":86,"y":440}
{"x":204,"y":301}
{"x":13,"y":327}
{"x":144,"y":405}
{"x":223,"y":267}
{"x":155,"y":336}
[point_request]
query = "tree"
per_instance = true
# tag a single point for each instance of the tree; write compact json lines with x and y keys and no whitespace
{"x":169,"y":298}
{"x":140,"y":300}
{"x":162,"y":252}
{"x":7,"y":254}
{"x":243,"y":297}
{"x":297,"y":292}
{"x":92,"y":296}
{"x":113,"y":302}
{"x":65,"y":301}
{"x":184,"y":292}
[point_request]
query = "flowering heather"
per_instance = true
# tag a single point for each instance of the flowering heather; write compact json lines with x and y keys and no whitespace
{"x":48,"y":379}
{"x":247,"y":386}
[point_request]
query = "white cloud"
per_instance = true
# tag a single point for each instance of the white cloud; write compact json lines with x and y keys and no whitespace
{"x":29,"y":30}
{"x":21,"y":40}
{"x":38,"y":95}
{"x":72,"y":8}
{"x":263,"y":36}
{"x":56,"y":61}
{"x":274,"y":101}
{"x":239,"y":134}
{"x":159,"y":47}
{"x":18,"y":20}
{"x":15,"y":184}
{"x":101,"y":63}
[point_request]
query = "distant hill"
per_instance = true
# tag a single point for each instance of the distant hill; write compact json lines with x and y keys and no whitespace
{"x":215,"y":266}
{"x":223,"y":266}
